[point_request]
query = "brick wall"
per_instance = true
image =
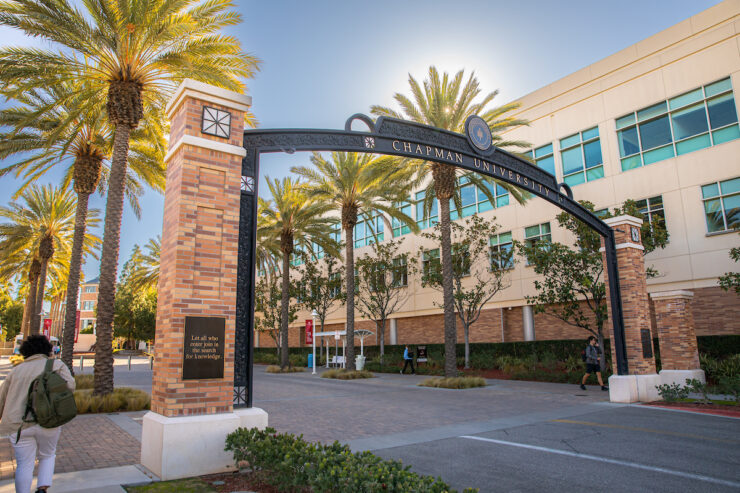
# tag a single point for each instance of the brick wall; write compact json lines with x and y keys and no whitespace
{"x":675,"y":327}
{"x":716,"y":312}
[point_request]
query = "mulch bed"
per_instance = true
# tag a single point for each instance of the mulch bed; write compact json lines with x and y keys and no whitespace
{"x":715,"y":409}
{"x":237,"y":481}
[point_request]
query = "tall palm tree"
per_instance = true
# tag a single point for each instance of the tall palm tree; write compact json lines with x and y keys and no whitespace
{"x":446,"y":103}
{"x":358,"y":185}
{"x":41,"y":228}
{"x":144,"y":273}
{"x":295,"y":220}
{"x":134,"y":52}
{"x":48,"y":125}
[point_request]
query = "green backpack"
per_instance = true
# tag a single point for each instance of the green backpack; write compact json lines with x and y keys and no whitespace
{"x":50,"y":402}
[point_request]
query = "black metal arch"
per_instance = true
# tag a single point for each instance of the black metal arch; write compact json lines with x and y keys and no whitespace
{"x":398,"y":138}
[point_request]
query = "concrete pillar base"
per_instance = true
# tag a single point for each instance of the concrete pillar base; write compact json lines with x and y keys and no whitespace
{"x":680,"y":376}
{"x":185,"y":446}
{"x":634,"y":388}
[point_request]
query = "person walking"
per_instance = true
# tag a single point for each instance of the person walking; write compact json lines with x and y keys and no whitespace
{"x":408,"y":359}
{"x":29,"y":438}
{"x":593,"y":353}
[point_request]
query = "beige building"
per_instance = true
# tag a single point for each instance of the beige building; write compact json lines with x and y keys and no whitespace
{"x":656,"y":122}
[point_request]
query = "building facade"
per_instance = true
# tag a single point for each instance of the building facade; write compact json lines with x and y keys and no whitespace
{"x":88,"y":303}
{"x":657,"y":123}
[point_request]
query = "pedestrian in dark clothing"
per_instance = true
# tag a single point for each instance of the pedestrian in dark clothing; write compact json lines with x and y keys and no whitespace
{"x":408,"y":359}
{"x":593,"y":354}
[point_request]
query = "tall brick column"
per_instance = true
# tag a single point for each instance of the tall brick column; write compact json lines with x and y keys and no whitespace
{"x":679,"y":354}
{"x":642,"y":379}
{"x":184,"y":433}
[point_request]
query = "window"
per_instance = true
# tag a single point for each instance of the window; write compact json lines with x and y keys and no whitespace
{"x":336,"y":233}
{"x":89,"y":289}
{"x":722,"y":205}
{"x":400,"y":272}
{"x":697,"y":119}
{"x":88,"y":306}
{"x":537,"y":234}
{"x":430,"y":262}
{"x":601,"y":213}
{"x":367,"y":231}
{"x":652,"y":209}
{"x":474,"y":200}
{"x":581,"y":157}
{"x":426,"y":221}
{"x":399,"y":228}
{"x":543,"y":158}
{"x":335,"y":280}
{"x":295,"y":258}
{"x":501,"y":251}
{"x":318,"y":252}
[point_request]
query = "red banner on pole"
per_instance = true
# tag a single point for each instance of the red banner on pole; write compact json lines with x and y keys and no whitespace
{"x":77,"y":326}
{"x":47,"y":327}
{"x":309,"y":331}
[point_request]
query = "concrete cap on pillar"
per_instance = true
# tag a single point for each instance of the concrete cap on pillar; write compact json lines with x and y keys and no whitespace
{"x":664,"y":295}
{"x":207,"y":92}
{"x":624,"y":219}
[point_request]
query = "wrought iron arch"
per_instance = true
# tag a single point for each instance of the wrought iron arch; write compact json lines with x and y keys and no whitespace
{"x":406,"y":139}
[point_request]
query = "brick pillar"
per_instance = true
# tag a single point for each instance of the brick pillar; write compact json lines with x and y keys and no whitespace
{"x":184,"y":434}
{"x":636,"y":312}
{"x":679,"y":355}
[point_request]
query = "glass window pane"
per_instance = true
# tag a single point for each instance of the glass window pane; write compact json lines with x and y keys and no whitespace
{"x":528,"y":154}
{"x":569,"y":141}
{"x":531,"y":231}
{"x":625,"y":121}
{"x":732,"y":211}
{"x":505,"y":238}
{"x":547,"y":164}
{"x":595,"y":173}
{"x":435,"y":209}
{"x":628,"y":142}
{"x":689,"y":121}
{"x":419,"y":195}
{"x":545,"y":228}
{"x":592,"y":150}
{"x":722,"y":111}
{"x":573,"y":180}
{"x":684,"y":99}
{"x":693,"y":144}
{"x":655,"y":133}
{"x":467,"y":195}
{"x":656,"y":202}
{"x":726,"y":134}
{"x":631,"y":163}
{"x":658,"y":154}
{"x":651,"y":111}
{"x":542,"y":151}
{"x":730,"y":186}
{"x":713,"y":212}
{"x":572,"y":160}
{"x":718,"y":87}
{"x":502,"y":201}
{"x":469,"y":210}
{"x":484,"y":206}
{"x":590,"y":133}
{"x":708,"y":191}
{"x":500,"y":190}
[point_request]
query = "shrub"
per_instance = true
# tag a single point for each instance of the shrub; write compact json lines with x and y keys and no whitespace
{"x":83,"y":382}
{"x":697,"y":386}
{"x":574,"y":364}
{"x":121,"y":399}
{"x":454,"y":383}
{"x":341,"y":374}
{"x":730,"y":386}
{"x":287,"y":369}
{"x":289,"y":463}
{"x":266,"y":358}
{"x":673,"y":392}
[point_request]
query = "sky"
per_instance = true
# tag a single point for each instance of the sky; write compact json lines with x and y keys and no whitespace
{"x":323,"y":61}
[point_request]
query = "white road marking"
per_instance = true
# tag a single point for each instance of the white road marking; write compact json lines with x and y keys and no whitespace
{"x":688,"y":475}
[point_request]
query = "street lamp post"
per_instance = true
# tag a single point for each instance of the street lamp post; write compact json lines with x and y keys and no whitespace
{"x":313,"y":342}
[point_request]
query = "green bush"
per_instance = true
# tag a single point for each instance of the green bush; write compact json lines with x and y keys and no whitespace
{"x":454,"y":383}
{"x":730,"y":386}
{"x":289,"y":463}
{"x":287,"y":369}
{"x":672,"y":392}
{"x":697,"y":386}
{"x":265,"y":358}
{"x":120,"y":400}
{"x":341,"y":374}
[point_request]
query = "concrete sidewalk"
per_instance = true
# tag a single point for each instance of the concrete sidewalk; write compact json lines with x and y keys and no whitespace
{"x":105,"y":480}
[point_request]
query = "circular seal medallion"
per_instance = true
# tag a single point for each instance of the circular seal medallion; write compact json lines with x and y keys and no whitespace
{"x":478,"y":133}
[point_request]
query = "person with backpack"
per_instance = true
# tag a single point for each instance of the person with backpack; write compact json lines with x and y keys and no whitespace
{"x":591,"y":356}
{"x":408,"y":359}
{"x":36,"y":398}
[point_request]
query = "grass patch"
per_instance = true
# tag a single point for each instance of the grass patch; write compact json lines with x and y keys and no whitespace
{"x":454,"y":383}
{"x":192,"y":485}
{"x":83,"y":382}
{"x":287,"y":369}
{"x":341,"y":374}
{"x":120,"y":400}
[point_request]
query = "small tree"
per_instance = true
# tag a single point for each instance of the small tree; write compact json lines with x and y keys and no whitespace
{"x":731,"y":280}
{"x":135,"y":309}
{"x":472,"y":257}
{"x":267,"y":301}
{"x":321,"y":281}
{"x":382,"y":278}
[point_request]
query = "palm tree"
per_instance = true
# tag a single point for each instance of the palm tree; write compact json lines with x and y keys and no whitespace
{"x":134,"y":53}
{"x":144,"y":273}
{"x":59,"y":135}
{"x":358,"y":185}
{"x":295,"y":220}
{"x":446,"y":103}
{"x":40,"y":229}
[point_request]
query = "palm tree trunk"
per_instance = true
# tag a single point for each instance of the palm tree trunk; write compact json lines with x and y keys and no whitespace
{"x":349,"y":253}
{"x":284,"y":312}
{"x":447,"y":289}
{"x":27,"y":310}
{"x":103,"y":383}
{"x":39,"y":304}
{"x":73,"y":281}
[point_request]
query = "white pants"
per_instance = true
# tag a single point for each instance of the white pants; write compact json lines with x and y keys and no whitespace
{"x":32,"y":439}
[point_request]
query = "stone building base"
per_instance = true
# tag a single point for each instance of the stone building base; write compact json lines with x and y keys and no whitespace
{"x":680,"y":376}
{"x":634,"y":388}
{"x":186,"y":446}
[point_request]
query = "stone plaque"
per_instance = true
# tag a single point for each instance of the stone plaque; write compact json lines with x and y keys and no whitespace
{"x":203,"y":348}
{"x":647,"y":343}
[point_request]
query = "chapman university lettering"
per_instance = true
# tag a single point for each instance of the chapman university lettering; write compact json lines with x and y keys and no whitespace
{"x":456,"y":158}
